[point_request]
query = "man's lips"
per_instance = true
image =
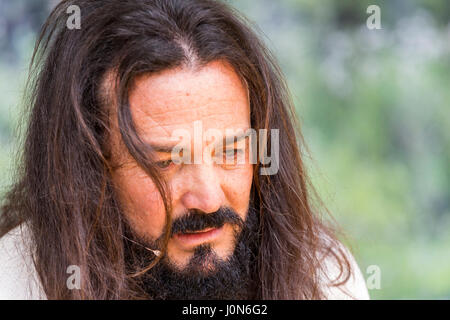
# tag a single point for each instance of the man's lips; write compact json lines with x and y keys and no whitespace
{"x":197,"y":237}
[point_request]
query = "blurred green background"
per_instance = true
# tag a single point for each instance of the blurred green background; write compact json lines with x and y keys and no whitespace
{"x":374,"y":108}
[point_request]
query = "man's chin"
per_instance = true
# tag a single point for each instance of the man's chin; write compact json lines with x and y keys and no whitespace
{"x":205,"y":260}
{"x":211,"y":278}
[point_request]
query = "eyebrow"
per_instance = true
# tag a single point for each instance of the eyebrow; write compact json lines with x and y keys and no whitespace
{"x":234,"y":138}
{"x":226,"y":141}
{"x":162,"y":148}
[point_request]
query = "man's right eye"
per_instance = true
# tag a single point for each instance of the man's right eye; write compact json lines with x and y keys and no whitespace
{"x":164,"y":164}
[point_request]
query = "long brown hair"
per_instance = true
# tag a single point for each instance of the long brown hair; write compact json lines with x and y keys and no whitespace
{"x":64,"y":190}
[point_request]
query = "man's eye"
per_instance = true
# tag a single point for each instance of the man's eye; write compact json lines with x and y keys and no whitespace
{"x":232,"y":155}
{"x":164,"y":164}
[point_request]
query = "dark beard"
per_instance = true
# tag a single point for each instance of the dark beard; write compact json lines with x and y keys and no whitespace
{"x":233,"y":278}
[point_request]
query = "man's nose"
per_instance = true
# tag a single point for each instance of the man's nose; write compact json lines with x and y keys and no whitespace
{"x":203,"y":189}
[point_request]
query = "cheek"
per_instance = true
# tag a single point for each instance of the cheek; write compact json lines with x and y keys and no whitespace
{"x":237,"y":185}
{"x":141,"y":202}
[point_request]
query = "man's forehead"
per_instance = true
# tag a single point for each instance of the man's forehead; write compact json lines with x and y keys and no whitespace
{"x":179,"y":98}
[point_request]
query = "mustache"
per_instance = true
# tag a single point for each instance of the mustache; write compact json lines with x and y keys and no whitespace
{"x":197,"y":220}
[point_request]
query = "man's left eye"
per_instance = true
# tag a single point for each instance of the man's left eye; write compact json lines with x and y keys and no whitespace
{"x":232,"y":154}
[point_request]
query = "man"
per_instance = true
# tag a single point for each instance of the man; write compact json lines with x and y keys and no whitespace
{"x":162,"y":162}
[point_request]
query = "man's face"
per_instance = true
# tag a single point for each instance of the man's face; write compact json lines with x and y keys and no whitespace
{"x":178,"y":100}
